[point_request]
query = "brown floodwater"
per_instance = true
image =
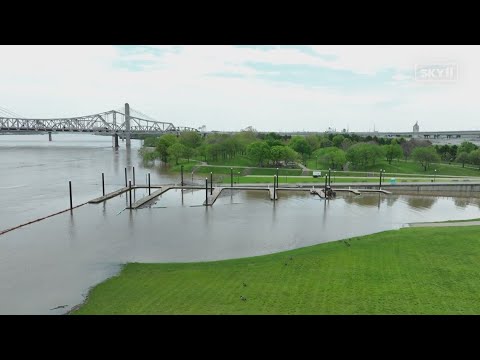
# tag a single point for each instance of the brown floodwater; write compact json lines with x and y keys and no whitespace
{"x":54,"y":262}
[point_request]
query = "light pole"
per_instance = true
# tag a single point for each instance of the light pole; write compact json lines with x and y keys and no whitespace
{"x":380,"y":186}
{"x":434,"y":175}
{"x":274,"y":186}
{"x":334,"y":172}
{"x":206,"y":191}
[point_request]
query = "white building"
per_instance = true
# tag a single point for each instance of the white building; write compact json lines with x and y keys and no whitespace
{"x":416,"y":128}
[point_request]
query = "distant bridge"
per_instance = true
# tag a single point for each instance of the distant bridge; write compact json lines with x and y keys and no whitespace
{"x":113,"y":123}
{"x":438,"y":137}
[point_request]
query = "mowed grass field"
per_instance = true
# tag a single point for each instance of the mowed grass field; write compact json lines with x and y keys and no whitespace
{"x":406,"y":271}
{"x":408,"y":167}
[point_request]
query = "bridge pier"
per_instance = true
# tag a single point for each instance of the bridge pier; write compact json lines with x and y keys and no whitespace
{"x":49,"y":136}
{"x":115,"y":137}
{"x":127,"y":124}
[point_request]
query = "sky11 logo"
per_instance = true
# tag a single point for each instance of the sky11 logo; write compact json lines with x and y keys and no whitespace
{"x":436,"y":72}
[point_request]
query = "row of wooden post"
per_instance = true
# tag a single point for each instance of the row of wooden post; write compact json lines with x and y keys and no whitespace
{"x":103,"y":186}
{"x":129,"y":185}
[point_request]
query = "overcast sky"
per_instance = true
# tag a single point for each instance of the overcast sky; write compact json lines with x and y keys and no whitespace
{"x":277,"y":88}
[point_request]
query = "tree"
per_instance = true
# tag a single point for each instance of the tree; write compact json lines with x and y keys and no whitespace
{"x":289,"y":155}
{"x":474,"y":157}
{"x":301,"y":146}
{"x":313,"y":141}
{"x":163,"y":144}
{"x":150,"y":141}
{"x":346,"y":143}
{"x":325,"y":142}
{"x":446,"y":152}
{"x":392,"y":151}
{"x":332,"y":156}
{"x":191,"y":139}
{"x":176,"y":151}
{"x":408,"y":146}
{"x":250,"y":129}
{"x":425,"y":156}
{"x":337,"y":140}
{"x":277,"y":153}
{"x":462,"y":157}
{"x":203,"y":151}
{"x":189,"y":153}
{"x":273,"y":139}
{"x":467,"y":147}
{"x":147,"y":154}
{"x":258,"y":152}
{"x":361,"y":154}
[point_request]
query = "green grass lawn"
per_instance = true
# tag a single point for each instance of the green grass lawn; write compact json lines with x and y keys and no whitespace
{"x":408,"y":167}
{"x":298,"y":179}
{"x":237,"y":161}
{"x":407,"y":271}
{"x":397,"y":168}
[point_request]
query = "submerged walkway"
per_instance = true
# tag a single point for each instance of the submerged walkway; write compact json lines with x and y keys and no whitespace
{"x":212,"y":198}
{"x":109,"y":196}
{"x":445,"y":224}
{"x":150,"y":197}
{"x":218,"y":189}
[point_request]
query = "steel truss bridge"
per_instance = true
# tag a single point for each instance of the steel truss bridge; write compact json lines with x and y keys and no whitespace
{"x":113,"y":123}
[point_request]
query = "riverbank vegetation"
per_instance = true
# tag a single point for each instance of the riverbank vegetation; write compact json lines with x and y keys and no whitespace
{"x":341,"y":152}
{"x":407,"y":271}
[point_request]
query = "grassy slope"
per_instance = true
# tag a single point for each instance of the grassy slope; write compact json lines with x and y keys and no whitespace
{"x":407,"y":271}
{"x":398,"y":167}
{"x":409,"y":167}
{"x":297,"y":179}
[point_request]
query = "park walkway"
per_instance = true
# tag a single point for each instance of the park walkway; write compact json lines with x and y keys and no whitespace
{"x":445,"y":224}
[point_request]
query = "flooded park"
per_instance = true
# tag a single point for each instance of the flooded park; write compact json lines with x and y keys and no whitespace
{"x":48,"y":267}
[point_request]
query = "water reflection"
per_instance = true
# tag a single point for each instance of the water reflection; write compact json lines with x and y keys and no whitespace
{"x":116,"y":161}
{"x":371,"y":200}
{"x":391,"y":200}
{"x":256,"y":195}
{"x":461,"y":202}
{"x":128,"y":156}
{"x":421,"y":202}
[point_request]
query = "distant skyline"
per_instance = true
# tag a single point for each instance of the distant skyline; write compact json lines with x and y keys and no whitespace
{"x":272,"y":88}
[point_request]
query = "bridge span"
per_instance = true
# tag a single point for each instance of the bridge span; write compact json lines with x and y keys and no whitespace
{"x":110,"y":123}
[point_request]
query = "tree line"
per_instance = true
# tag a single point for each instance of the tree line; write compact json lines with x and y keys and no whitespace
{"x":337,"y":150}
